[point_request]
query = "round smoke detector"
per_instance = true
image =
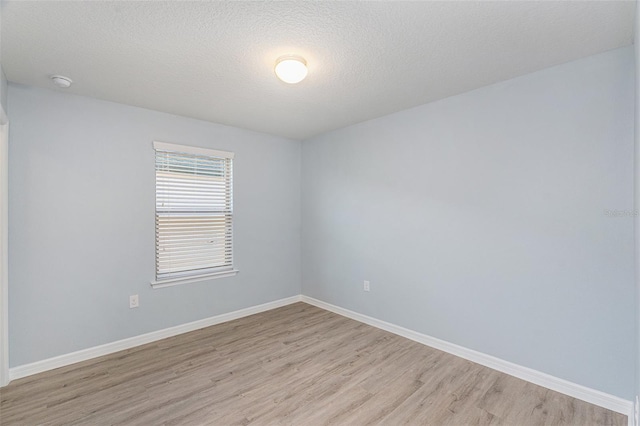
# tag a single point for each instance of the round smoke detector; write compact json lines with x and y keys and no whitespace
{"x":61,"y":81}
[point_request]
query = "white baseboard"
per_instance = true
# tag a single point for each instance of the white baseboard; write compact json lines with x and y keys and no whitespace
{"x":574,"y":390}
{"x":97,"y":351}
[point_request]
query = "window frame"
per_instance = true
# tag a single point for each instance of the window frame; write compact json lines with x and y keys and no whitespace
{"x":178,"y":278}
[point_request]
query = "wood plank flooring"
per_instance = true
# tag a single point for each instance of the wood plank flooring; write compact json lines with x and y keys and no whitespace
{"x":296,"y":365}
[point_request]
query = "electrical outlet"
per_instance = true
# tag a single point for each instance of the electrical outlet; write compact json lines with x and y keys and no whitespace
{"x":367,"y":286}
{"x":133,"y":301}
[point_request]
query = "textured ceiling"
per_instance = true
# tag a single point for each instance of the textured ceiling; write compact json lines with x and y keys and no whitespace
{"x":214,"y":60}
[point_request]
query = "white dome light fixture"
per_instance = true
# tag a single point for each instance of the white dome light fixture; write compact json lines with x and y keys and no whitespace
{"x":291,"y":69}
{"x":61,"y":81}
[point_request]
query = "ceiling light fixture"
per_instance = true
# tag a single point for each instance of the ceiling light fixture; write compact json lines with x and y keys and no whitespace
{"x":61,"y":81}
{"x":291,"y":68}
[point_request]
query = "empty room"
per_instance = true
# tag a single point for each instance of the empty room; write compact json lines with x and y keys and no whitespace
{"x":319,"y":212}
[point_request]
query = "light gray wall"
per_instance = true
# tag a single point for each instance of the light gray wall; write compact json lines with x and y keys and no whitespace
{"x":3,"y":78}
{"x":3,"y":90}
{"x":81,"y":200}
{"x":637,"y":196}
{"x":479,"y":219}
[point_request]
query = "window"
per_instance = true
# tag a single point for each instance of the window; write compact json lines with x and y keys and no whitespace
{"x":194,"y":214}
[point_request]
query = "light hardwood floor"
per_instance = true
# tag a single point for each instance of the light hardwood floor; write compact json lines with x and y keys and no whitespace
{"x":296,"y":365}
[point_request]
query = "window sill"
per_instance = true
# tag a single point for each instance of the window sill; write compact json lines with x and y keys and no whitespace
{"x":192,"y":279}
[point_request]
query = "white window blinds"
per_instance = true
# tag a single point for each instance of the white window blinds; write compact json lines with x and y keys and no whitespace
{"x":194,"y":211}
